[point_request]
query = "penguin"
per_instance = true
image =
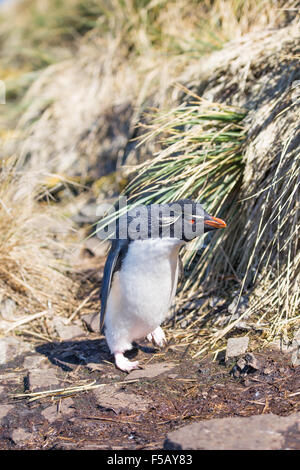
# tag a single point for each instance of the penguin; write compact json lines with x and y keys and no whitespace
{"x":141,"y":273}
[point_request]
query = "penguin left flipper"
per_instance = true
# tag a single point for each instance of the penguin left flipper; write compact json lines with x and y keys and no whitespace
{"x":113,"y":263}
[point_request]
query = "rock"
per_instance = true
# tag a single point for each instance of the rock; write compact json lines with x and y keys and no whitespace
{"x":20,"y":436}
{"x":38,"y":379}
{"x":65,"y":331}
{"x":92,"y":321}
{"x":151,"y":370}
{"x":113,"y":398}
{"x":34,"y":362}
{"x":54,"y":412}
{"x":263,"y":432}
{"x":4,"y":410}
{"x":10,"y":347}
{"x":11,"y":378}
{"x":236,"y":347}
{"x":245,"y":365}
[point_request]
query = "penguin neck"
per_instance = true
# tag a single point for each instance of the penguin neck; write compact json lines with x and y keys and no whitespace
{"x":162,"y":247}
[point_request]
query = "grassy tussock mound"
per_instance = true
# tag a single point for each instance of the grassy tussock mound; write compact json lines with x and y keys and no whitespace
{"x":243,"y":163}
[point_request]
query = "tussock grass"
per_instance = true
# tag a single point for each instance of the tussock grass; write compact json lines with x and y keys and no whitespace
{"x":201,"y":154}
{"x":202,"y":158}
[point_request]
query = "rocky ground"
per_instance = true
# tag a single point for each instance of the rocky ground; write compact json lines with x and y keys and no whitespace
{"x":242,"y":400}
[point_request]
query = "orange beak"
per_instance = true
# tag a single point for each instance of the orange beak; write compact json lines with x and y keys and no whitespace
{"x":214,"y":222}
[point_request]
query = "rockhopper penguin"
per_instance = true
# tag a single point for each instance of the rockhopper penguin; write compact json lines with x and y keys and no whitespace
{"x":141,"y":272}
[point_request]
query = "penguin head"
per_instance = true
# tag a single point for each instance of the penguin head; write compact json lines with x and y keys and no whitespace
{"x":182,"y":220}
{"x":188,"y":220}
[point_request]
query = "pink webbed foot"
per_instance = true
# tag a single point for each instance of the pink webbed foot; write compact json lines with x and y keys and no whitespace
{"x":157,"y":337}
{"x":125,"y":364}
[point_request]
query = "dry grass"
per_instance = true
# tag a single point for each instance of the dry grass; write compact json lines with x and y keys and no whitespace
{"x":33,"y":270}
{"x":67,"y":391}
{"x":130,"y":55}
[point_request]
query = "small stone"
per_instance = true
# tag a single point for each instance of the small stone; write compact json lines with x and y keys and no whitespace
{"x":54,"y":412}
{"x":252,"y":361}
{"x":65,"y":331}
{"x":4,"y":410}
{"x":236,"y":347}
{"x":11,"y":347}
{"x":113,"y":398}
{"x":38,"y":379}
{"x":241,"y":363}
{"x":33,"y":362}
{"x":11,"y":378}
{"x":92,"y":321}
{"x":150,"y":370}
{"x":20,"y":436}
{"x":245,"y":365}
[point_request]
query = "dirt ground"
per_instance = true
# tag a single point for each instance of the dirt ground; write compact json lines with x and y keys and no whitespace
{"x":138,"y":410}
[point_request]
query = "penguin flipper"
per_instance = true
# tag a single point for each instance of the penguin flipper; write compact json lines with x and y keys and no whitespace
{"x":113,"y":263}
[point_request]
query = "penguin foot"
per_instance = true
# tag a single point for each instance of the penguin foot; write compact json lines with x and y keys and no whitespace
{"x":157,"y":337}
{"x":125,"y":364}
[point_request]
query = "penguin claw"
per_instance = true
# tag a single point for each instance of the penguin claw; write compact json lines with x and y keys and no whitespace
{"x":157,"y":337}
{"x":124,"y":364}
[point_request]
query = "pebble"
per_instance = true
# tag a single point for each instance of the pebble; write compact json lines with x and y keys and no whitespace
{"x":236,"y":347}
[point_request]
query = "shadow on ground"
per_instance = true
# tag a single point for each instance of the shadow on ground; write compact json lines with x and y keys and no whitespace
{"x":67,"y":354}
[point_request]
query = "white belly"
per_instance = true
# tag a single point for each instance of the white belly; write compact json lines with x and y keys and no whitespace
{"x":141,"y":291}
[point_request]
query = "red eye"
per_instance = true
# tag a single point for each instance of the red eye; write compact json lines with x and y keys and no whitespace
{"x":192,"y":221}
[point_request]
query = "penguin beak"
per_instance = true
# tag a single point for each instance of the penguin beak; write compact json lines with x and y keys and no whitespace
{"x":211,"y":222}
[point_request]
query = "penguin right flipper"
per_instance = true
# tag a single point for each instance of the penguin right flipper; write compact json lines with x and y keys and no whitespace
{"x":113,"y":263}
